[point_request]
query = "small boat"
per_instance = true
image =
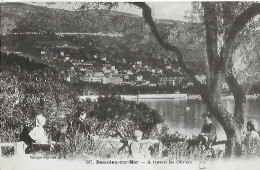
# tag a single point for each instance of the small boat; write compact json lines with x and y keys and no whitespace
{"x":187,"y":108}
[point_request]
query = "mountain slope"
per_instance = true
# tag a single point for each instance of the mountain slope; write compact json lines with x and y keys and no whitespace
{"x":18,"y":17}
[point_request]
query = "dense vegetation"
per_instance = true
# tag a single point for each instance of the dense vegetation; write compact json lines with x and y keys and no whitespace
{"x":29,"y":88}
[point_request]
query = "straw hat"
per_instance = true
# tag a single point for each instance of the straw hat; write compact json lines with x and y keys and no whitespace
{"x":254,"y":124}
{"x":40,"y":120}
{"x":138,"y":133}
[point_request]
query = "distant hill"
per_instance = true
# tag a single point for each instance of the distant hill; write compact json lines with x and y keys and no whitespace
{"x":35,"y":18}
{"x":19,"y":17}
{"x":135,"y":42}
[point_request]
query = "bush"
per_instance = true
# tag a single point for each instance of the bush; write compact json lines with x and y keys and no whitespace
{"x":28,"y":89}
{"x":115,"y":114}
{"x":251,"y":149}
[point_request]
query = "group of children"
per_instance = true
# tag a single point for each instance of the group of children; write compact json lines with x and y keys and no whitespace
{"x":208,"y":134}
{"x":37,"y":139}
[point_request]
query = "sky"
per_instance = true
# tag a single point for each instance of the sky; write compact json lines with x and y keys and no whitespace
{"x":161,"y":10}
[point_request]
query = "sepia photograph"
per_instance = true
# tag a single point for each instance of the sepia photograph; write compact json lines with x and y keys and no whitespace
{"x":130,"y":85}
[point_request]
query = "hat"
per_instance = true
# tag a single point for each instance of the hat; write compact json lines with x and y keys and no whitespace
{"x":254,"y":123}
{"x":206,"y":114}
{"x":138,"y":133}
{"x":40,"y":120}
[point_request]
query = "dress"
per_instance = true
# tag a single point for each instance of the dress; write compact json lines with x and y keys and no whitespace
{"x":253,"y":136}
{"x":38,"y":135}
{"x":136,"y":150}
{"x":140,"y":149}
{"x":41,"y":141}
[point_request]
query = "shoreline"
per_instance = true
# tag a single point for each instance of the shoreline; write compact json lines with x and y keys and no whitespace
{"x":140,"y":96}
{"x":162,"y":96}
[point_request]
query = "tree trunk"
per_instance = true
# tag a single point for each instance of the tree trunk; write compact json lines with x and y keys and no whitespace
{"x":239,"y":97}
{"x":217,"y":61}
{"x":233,"y":145}
{"x":217,"y":68}
{"x":239,"y":110}
{"x":212,"y":99}
{"x":226,"y":120}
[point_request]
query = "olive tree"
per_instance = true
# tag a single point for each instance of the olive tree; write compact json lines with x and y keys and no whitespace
{"x":224,"y":25}
{"x":219,"y":61}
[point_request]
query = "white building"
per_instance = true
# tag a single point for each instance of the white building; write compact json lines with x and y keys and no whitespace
{"x":43,"y":52}
{"x":152,"y":84}
{"x":189,"y":84}
{"x":139,"y":77}
{"x":201,"y":78}
{"x":115,"y":71}
{"x":126,"y":77}
{"x":129,"y":72}
{"x":66,"y":59}
{"x":113,"y":79}
{"x":159,"y":71}
{"x":167,"y":81}
{"x":104,"y":59}
{"x":139,"y":62}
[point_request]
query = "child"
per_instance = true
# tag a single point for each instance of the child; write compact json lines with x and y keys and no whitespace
{"x":252,"y":128}
{"x":208,"y":132}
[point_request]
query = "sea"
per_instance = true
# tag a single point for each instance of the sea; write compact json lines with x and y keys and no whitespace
{"x":184,"y":115}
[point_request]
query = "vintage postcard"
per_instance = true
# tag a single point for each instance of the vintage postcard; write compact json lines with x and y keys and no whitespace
{"x":123,"y":85}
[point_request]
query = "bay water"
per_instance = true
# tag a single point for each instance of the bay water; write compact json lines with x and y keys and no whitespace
{"x":184,"y":115}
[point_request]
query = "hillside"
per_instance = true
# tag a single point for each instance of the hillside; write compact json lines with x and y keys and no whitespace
{"x":35,"y":18}
{"x":32,"y":88}
{"x":18,"y":17}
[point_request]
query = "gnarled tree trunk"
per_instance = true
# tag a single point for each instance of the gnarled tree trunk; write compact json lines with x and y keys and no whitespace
{"x":218,"y":69}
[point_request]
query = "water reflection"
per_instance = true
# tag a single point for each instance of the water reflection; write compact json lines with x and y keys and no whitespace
{"x":185,"y":115}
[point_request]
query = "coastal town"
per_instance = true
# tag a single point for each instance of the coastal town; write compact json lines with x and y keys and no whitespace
{"x":98,"y":69}
{"x":93,"y":85}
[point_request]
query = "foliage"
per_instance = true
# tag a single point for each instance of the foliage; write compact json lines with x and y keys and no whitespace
{"x":116,"y":114}
{"x":250,"y":148}
{"x":28,"y":89}
{"x":220,"y":43}
{"x":245,"y":51}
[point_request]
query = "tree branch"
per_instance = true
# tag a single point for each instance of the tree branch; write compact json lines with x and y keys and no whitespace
{"x":211,"y":27}
{"x":238,"y":24}
{"x":236,"y":89}
{"x":215,"y":77}
{"x":146,"y":11}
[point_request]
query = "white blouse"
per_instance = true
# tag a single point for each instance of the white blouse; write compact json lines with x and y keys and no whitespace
{"x":38,"y":134}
